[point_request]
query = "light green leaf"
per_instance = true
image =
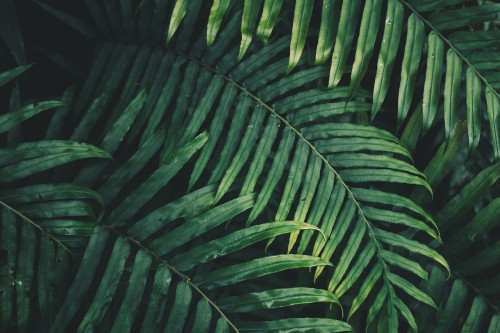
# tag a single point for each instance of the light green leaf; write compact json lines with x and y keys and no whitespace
{"x":452,"y":93}
{"x":409,"y":71}
{"x":235,"y":241}
{"x":297,"y":325}
{"x":268,"y":19}
{"x":343,"y":40}
{"x":366,"y":42}
{"x":301,"y":18}
{"x":493,"y":108}
{"x":473,"y":108}
{"x":275,"y":298}
{"x":178,"y":14}
{"x":396,"y":240}
{"x":327,"y":30}
{"x":433,"y":75}
{"x":217,"y":12}
{"x":387,"y":55}
{"x":249,"y":21}
{"x":365,"y":289}
{"x":255,"y":268}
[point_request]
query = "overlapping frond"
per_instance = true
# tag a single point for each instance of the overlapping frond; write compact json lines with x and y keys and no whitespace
{"x":284,"y":141}
{"x":469,"y":301}
{"x":216,"y":150}
{"x":148,"y":258}
{"x":432,"y":27}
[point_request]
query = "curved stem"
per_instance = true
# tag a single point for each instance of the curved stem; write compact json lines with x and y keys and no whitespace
{"x":37,"y":226}
{"x":174,"y":270}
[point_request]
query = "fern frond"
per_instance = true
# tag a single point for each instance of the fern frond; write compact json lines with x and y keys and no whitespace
{"x":477,"y":51}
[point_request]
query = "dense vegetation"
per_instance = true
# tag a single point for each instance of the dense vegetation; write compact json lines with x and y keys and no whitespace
{"x":218,"y":166}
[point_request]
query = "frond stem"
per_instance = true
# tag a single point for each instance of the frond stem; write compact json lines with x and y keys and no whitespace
{"x":183,"y":276}
{"x":37,"y":226}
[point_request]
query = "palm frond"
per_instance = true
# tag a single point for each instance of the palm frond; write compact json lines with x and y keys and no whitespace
{"x":476,"y":52}
{"x":219,"y":148}
{"x":469,"y":301}
{"x":325,"y":165}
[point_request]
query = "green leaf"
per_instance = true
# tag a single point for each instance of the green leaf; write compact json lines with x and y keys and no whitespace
{"x":82,"y":281}
{"x":70,"y":20}
{"x":476,"y":316}
{"x":268,"y":19}
{"x":462,"y":17}
{"x":261,"y":154}
{"x":297,"y":168}
{"x":327,"y":31}
{"x":178,"y":14}
{"x":235,"y":241}
{"x":473,"y":108}
{"x":193,"y":228}
{"x":411,"y":290}
{"x":217,"y":12}
{"x":133,"y":293}
{"x":126,"y":210}
{"x":275,"y":298}
{"x":255,"y":268}
{"x":25,"y":269}
{"x":396,"y":240}
{"x":380,"y":197}
{"x":299,"y":325}
{"x":179,"y":312}
{"x":467,"y":197}
{"x":243,"y":153}
{"x":411,"y":60}
{"x":350,"y":250}
{"x":248,"y":23}
{"x":493,"y":108}
{"x":30,"y":158}
{"x":357,"y":269}
{"x":377,"y":305}
{"x":107,"y":286}
{"x":203,"y":314}
{"x":365,"y":289}
{"x":433,"y":75}
{"x":406,"y":313}
{"x":158,"y":299}
{"x":301,"y":17}
{"x":197,"y":201}
{"x":452,"y":93}
{"x":273,"y":177}
{"x":343,"y":40}
{"x":214,"y":134}
{"x":12,"y":74}
{"x":366,"y":42}
{"x":387,"y":55}
{"x":404,"y":263}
